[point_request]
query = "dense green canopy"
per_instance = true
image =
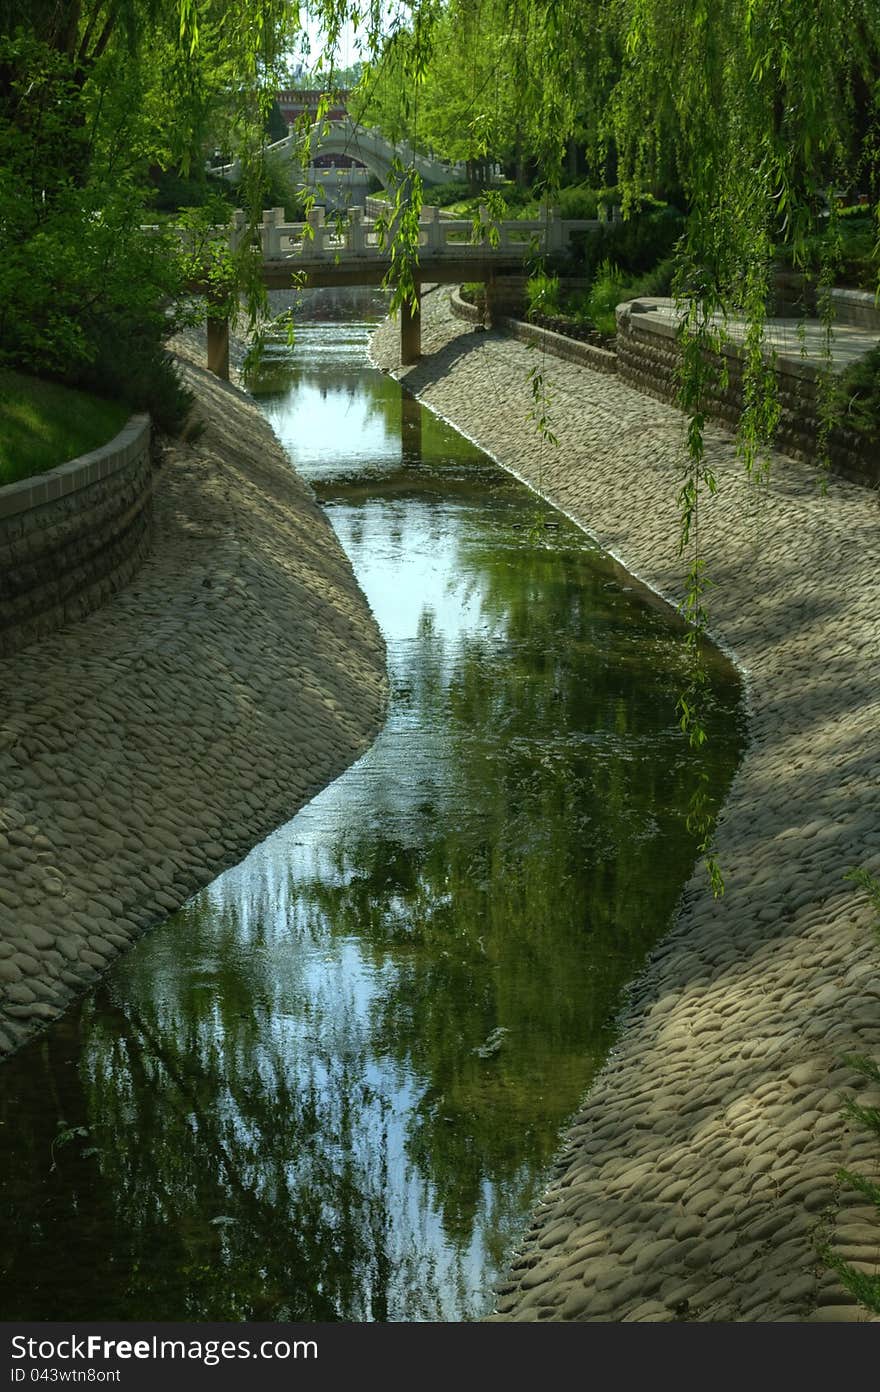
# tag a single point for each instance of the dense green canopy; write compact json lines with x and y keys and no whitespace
{"x":751,"y":109}
{"x":97,"y":98}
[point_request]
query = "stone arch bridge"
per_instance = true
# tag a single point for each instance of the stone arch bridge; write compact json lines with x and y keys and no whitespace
{"x":346,"y":139}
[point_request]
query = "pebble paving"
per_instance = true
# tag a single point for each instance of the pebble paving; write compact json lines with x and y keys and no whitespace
{"x":699,"y":1179}
{"x":150,"y":746}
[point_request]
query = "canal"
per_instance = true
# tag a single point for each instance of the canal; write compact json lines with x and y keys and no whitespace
{"x":330,"y":1087}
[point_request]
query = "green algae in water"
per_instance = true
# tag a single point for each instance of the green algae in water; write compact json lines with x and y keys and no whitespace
{"x":330,"y":1087}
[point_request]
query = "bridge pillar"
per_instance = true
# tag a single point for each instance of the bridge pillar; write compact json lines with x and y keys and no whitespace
{"x":357,"y":240}
{"x":490,"y":311}
{"x":218,"y":347}
{"x":411,"y":329}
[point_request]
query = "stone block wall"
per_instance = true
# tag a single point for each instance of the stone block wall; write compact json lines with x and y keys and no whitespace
{"x":571,"y":349}
{"x":648,"y":359}
{"x":70,"y":538}
{"x":463,"y":309}
{"x":856,"y":307}
{"x":561,"y":346}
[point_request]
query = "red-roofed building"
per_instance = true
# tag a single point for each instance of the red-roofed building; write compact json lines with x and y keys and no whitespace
{"x":294,"y":102}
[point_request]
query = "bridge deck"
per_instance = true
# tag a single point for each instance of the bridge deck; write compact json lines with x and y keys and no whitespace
{"x":280,"y":273}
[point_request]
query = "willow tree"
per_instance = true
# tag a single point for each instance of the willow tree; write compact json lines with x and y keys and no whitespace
{"x":766,"y":107}
{"x":759,"y":106}
{"x":94,"y":94}
{"x":458,"y":86}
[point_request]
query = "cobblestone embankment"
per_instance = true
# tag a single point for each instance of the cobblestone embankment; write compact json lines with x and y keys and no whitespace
{"x":700,"y":1174}
{"x":151,"y":745}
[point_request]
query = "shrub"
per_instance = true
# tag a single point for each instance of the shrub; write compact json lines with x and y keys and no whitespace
{"x":858,"y":395}
{"x":441,"y":195}
{"x":474,"y":292}
{"x":611,"y":288}
{"x":635,"y":246}
{"x":605,"y":295}
{"x":854,"y":258}
{"x":578,"y":201}
{"x":279,"y":188}
{"x":82,"y":298}
{"x":519,"y":199}
{"x":173,"y":190}
{"x":657,"y":281}
{"x":542,"y":294}
{"x":83,"y":288}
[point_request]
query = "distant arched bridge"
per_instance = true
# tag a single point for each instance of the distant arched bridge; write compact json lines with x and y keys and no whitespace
{"x":368,"y":147}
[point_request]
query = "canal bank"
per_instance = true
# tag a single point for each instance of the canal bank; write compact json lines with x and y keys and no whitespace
{"x":330,"y":1068}
{"x":700,"y":1175}
{"x":150,"y":746}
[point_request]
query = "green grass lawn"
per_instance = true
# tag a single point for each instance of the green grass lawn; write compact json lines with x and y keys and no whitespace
{"x":43,"y":424}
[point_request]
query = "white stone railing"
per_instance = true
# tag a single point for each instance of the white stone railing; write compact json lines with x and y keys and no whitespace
{"x":357,"y":238}
{"x":354,"y":249}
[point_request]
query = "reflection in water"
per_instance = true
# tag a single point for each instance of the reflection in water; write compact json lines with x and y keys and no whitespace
{"x":331,"y":1085}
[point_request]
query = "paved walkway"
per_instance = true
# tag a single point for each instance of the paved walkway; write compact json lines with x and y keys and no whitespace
{"x":148,"y":747}
{"x":700,"y":1173}
{"x":790,"y":339}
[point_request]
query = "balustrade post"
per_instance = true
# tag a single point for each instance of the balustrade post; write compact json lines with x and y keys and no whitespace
{"x":430,"y":224}
{"x":356,"y":235}
{"x":271,"y":237}
{"x":555,"y":233}
{"x":411,"y":329}
{"x":315,"y":219}
{"x":237,"y":226}
{"x":277,"y":224}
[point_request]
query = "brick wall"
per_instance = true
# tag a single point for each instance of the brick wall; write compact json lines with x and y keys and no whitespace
{"x":70,"y":538}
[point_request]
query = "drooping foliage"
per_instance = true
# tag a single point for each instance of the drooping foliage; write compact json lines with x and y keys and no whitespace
{"x":96,"y":100}
{"x":755,"y":112}
{"x":755,"y":108}
{"x":750,"y":103}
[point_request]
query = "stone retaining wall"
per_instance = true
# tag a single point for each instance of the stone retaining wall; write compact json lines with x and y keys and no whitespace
{"x":795,"y":295}
{"x":648,"y":359}
{"x":70,"y":538}
{"x":570,"y":349}
{"x":856,"y":307}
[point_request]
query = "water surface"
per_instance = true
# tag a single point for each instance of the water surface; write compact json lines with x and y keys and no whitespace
{"x":330,"y":1087}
